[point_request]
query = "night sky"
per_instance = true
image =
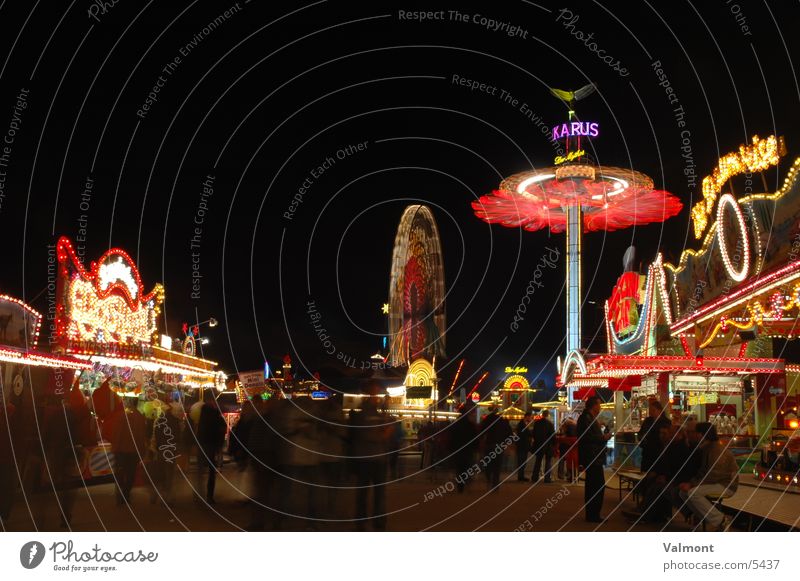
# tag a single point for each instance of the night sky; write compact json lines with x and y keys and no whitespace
{"x":251,"y":102}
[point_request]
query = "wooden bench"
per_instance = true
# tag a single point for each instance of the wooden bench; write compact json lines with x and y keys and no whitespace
{"x":628,"y":480}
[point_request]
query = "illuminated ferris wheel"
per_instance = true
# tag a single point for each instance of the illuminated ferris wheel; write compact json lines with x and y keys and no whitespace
{"x":416,"y":289}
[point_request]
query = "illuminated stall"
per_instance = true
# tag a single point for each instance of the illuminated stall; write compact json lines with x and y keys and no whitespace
{"x":105,"y":317}
{"x":698,"y":336}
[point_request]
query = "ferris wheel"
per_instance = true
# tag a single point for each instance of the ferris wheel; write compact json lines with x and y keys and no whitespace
{"x":416,"y":289}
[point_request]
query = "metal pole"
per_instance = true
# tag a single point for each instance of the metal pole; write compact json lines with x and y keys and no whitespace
{"x":574,"y":232}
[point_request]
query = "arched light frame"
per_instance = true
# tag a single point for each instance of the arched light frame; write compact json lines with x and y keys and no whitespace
{"x":741,"y":274}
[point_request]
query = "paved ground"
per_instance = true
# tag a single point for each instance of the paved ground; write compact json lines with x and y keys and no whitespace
{"x":420,"y":502}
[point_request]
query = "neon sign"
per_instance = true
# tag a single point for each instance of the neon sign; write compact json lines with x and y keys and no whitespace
{"x":761,"y":155}
{"x":576,"y":129}
{"x":105,"y":304}
{"x":572,"y":155}
{"x":516,"y":370}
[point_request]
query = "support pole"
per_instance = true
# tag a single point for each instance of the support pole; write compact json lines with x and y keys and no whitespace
{"x":574,"y":233}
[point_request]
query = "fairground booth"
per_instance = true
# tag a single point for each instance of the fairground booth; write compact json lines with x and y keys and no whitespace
{"x":32,"y":380}
{"x":709,"y":336}
{"x":106,"y":320}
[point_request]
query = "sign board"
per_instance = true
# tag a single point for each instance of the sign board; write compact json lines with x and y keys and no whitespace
{"x":516,"y":370}
{"x":250,"y":379}
{"x":576,"y":129}
{"x":19,"y":324}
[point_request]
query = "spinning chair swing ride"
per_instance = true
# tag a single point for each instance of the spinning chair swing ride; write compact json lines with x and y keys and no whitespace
{"x":576,"y":196}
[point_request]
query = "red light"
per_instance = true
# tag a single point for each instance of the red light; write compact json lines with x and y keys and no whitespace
{"x":698,"y":361}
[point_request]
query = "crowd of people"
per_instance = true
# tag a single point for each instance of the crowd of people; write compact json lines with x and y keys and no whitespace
{"x":297,"y":458}
{"x":686,"y":468}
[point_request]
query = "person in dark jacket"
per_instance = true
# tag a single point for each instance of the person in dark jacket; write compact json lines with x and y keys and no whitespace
{"x":464,"y":443}
{"x":167,"y":438}
{"x":129,"y":444}
{"x":495,"y":431}
{"x":211,"y":429}
{"x":717,"y":476}
{"x":370,"y":431}
{"x":544,"y":438}
{"x":523,"y":445}
{"x":592,"y":456}
{"x":649,"y":440}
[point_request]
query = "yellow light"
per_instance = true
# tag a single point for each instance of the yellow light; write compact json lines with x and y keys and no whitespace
{"x":761,"y":155}
{"x":793,"y":424}
{"x":385,"y":308}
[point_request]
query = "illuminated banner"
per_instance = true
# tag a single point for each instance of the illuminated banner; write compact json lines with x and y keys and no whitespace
{"x":107,"y":303}
{"x":251,"y":379}
{"x":516,"y":370}
{"x":516,"y":383}
{"x":761,"y":155}
{"x":19,"y":323}
{"x":571,"y":156}
{"x":576,"y":129}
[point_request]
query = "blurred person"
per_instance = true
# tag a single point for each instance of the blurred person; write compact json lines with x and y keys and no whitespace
{"x":167,"y":440}
{"x":425,"y":441}
{"x":523,"y":445}
{"x":396,"y":438}
{"x":655,"y":504}
{"x":237,"y":445}
{"x":369,"y":434}
{"x":464,"y":443}
{"x":568,"y":450}
{"x":211,"y":430}
{"x":679,"y":462}
{"x":649,"y":439}
{"x":301,"y":457}
{"x":263,"y":445}
{"x":718,"y":476}
{"x":494,"y":429}
{"x":332,"y":444}
{"x":58,"y":444}
{"x":8,"y":470}
{"x":129,"y":445}
{"x":544,"y":437}
{"x":592,"y":456}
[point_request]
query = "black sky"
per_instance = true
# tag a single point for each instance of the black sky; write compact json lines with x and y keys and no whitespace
{"x":275,"y":89}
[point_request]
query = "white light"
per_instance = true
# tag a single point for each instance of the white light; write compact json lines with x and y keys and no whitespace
{"x":111,"y":272}
{"x":204,"y":341}
{"x":725,"y":200}
{"x":523,"y":185}
{"x":396,"y":391}
{"x":166,"y":342}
